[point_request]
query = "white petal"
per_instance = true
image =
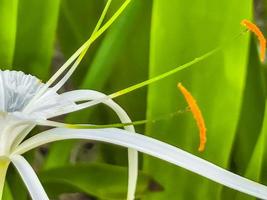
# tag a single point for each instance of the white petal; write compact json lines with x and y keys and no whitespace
{"x":48,"y":105}
{"x":95,"y":35}
{"x":80,"y":95}
{"x":85,"y":95}
{"x":21,"y":136}
{"x":29,"y":178}
{"x":154,"y":148}
{"x":75,"y":65}
{"x":17,"y":89}
{"x":58,"y":73}
{"x":12,"y":126}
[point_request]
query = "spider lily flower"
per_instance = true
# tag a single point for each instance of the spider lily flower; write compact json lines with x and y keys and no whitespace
{"x":25,"y":102}
{"x":36,"y":93}
{"x":16,"y":121}
{"x":18,"y":90}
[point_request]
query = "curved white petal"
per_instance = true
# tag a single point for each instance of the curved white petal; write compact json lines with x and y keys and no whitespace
{"x":21,"y":136}
{"x":12,"y":125}
{"x":154,"y":148}
{"x":76,"y":107}
{"x":85,"y":95}
{"x":29,"y":178}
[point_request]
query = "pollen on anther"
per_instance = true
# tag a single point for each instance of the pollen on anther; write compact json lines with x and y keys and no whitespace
{"x":194,"y":108}
{"x":256,"y":30}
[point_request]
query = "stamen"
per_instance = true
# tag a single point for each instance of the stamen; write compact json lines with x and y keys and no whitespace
{"x":255,"y":29}
{"x":116,"y":125}
{"x":151,"y":80}
{"x":134,"y":123}
{"x":176,"y":69}
{"x":197,"y":115}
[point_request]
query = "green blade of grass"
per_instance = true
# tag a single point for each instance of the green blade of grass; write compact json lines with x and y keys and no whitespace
{"x":37,"y":21}
{"x":7,"y":195}
{"x":8,"y":24}
{"x":252,"y":113}
{"x":248,"y":145}
{"x":256,"y":168}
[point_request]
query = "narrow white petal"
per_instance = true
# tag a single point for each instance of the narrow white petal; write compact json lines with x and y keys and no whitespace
{"x":81,"y":106}
{"x":154,"y":148}
{"x":83,"y":48}
{"x":96,"y":34}
{"x":85,"y":95}
{"x":75,"y":65}
{"x":23,"y":134}
{"x":77,"y":62}
{"x":29,"y":178}
{"x":12,"y":126}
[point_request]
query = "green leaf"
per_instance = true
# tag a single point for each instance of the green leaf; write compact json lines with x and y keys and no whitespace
{"x":16,"y":185}
{"x":248,"y":146}
{"x":100,"y":180}
{"x":7,"y":195}
{"x":115,"y":41}
{"x":252,"y":112}
{"x":181,"y":31}
{"x":8,"y":24}
{"x":37,"y":21}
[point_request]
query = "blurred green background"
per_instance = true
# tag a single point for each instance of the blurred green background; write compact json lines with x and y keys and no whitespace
{"x":150,"y":38}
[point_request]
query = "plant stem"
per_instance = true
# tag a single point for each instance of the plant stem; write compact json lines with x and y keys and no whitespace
{"x":4,"y":162}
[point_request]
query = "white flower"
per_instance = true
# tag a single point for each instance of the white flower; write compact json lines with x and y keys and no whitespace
{"x":16,"y":122}
{"x":18,"y":119}
{"x":25,"y":102}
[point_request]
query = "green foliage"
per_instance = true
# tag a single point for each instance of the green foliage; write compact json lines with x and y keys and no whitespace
{"x":35,"y":36}
{"x":93,"y":179}
{"x":7,"y":193}
{"x":8,"y":24}
{"x":216,"y":83}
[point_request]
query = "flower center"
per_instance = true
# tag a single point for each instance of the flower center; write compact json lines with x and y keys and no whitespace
{"x":16,"y":90}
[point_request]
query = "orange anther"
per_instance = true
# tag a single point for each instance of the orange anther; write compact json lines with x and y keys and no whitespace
{"x":197,"y":115}
{"x":255,"y":29}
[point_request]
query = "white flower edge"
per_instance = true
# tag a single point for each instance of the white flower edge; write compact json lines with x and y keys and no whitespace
{"x":29,"y":177}
{"x":151,"y":147}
